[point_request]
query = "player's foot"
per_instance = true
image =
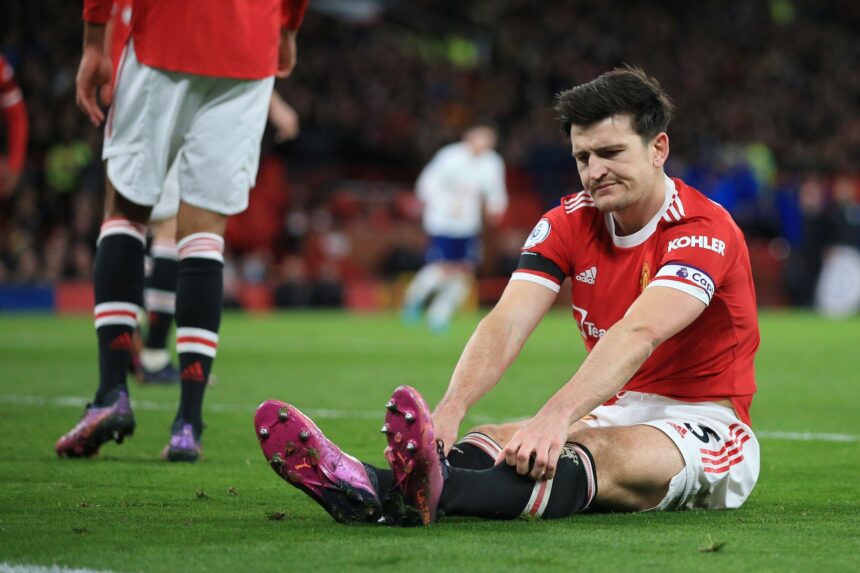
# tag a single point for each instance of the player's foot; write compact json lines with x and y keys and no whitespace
{"x":168,"y":374}
{"x":184,"y":444}
{"x":410,"y":314}
{"x":301,"y":454}
{"x":417,"y":459}
{"x":99,"y":425}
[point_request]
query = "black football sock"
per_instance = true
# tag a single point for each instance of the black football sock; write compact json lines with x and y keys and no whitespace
{"x":160,"y":293}
{"x":199,"y":293}
{"x":474,"y":451}
{"x":118,"y":289}
{"x":501,"y":493}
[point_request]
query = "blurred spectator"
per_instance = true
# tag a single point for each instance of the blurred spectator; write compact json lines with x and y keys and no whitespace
{"x":767,"y":93}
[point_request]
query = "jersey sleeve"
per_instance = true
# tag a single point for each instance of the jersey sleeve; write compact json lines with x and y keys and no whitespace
{"x":696,"y":257}
{"x":545,"y":257}
{"x":97,"y":11}
{"x":293,"y":13}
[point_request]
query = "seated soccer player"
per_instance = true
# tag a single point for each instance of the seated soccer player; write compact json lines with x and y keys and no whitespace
{"x":655,"y":417}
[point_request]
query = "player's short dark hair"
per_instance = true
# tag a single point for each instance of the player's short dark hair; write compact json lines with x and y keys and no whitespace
{"x":626,"y":90}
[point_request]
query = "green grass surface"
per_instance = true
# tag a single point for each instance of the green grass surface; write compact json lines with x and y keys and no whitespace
{"x":128,"y":511}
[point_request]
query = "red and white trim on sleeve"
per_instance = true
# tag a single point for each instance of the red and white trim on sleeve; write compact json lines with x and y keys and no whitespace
{"x":577,"y":202}
{"x":196,"y":340}
{"x":157,"y":300}
{"x":164,"y":249}
{"x":114,"y":313}
{"x":686,"y":278}
{"x":539,"y":498}
{"x":202,"y":246}
{"x":122,"y":226}
{"x":483,"y":442}
{"x":719,"y":461}
{"x":540,"y":279}
{"x":675,"y":212}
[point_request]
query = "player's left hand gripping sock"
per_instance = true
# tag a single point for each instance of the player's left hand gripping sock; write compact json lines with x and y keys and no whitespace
{"x":199,"y":294}
{"x":118,"y":286}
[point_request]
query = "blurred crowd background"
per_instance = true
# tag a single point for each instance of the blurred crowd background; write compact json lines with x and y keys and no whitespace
{"x":767,"y":125}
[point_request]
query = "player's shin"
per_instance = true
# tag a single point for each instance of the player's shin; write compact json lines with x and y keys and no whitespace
{"x":160,"y":300}
{"x":501,"y":493}
{"x":118,"y":286}
{"x":199,"y":293}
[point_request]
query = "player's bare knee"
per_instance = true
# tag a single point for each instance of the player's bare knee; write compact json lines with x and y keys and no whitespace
{"x":499,"y":433}
{"x":118,"y":206}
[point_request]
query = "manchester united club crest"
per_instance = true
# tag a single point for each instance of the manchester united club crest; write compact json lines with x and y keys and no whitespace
{"x":645,"y":278}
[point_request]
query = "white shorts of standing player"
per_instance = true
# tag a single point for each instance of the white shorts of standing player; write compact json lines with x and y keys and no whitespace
{"x":721,"y":453}
{"x":168,"y":204}
{"x":209,"y":129}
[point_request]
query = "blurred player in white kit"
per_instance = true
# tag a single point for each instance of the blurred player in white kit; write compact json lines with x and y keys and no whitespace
{"x":463,"y":181}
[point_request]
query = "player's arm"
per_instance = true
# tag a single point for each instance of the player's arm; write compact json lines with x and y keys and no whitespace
{"x":496,"y":194}
{"x":95,"y":70}
{"x":293,"y":13}
{"x":490,"y":351}
{"x":657,"y":315}
{"x":429,"y":182}
{"x":17,"y":129}
{"x":284,"y":118}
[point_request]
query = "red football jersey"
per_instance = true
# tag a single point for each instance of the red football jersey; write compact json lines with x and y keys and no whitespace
{"x":15,"y":115}
{"x":691,"y":245}
{"x":220,"y":38}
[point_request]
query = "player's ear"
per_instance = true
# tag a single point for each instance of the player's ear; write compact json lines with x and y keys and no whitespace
{"x":660,"y":149}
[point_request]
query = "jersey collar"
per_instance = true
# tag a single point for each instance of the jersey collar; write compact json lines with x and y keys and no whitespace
{"x":645,"y":232}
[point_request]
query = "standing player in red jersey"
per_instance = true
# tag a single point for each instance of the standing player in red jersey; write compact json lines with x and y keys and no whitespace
{"x":151,"y":363}
{"x":655,"y":417}
{"x":17,"y":130}
{"x":193,"y":87}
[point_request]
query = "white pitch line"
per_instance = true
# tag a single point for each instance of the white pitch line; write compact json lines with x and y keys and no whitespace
{"x":336,"y":414}
{"x":26,"y":568}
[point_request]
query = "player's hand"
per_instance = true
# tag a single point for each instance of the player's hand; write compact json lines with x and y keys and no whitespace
{"x":540,"y":439}
{"x":286,"y":53}
{"x":94,"y":77}
{"x":284,"y":118}
{"x":446,"y":424}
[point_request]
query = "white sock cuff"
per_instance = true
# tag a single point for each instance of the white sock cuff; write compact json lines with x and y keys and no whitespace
{"x":122,"y":226}
{"x":203,"y":246}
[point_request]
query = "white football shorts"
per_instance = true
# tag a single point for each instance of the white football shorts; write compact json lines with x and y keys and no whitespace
{"x":168,"y":203}
{"x":721,"y":453}
{"x":211,"y":127}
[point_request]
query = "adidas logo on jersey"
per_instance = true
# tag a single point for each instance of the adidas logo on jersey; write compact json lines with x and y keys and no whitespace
{"x":587,"y":276}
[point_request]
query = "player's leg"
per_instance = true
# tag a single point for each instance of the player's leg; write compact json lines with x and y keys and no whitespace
{"x":461,"y":259}
{"x":217,"y":166}
{"x":199,"y":294}
{"x":431,"y":487}
{"x":160,"y":288}
{"x":423,"y":285}
{"x":451,"y":294}
{"x":118,"y":289}
{"x":634,"y":464}
{"x":137,"y":126}
{"x":160,"y":302}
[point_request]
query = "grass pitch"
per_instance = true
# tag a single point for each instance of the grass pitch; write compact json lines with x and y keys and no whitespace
{"x":128,"y":511}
